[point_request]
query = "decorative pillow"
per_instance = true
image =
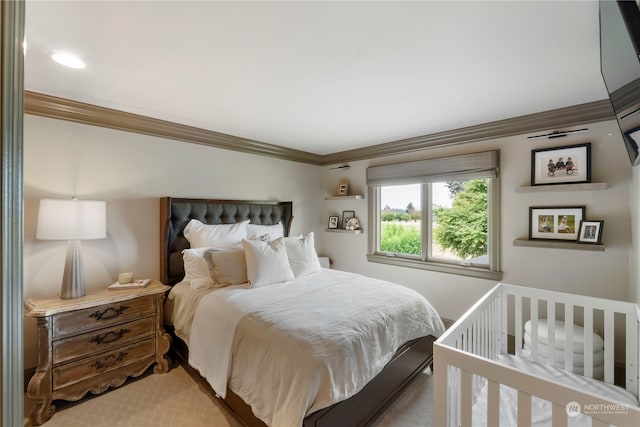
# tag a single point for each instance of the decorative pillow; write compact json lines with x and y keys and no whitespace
{"x":273,"y":231}
{"x":197,"y":270}
{"x":302,"y":255}
{"x":229,"y":267}
{"x":267,"y":263}
{"x":218,"y":236}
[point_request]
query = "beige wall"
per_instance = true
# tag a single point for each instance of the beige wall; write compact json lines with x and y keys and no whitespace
{"x":131,"y":172}
{"x":601,"y":274}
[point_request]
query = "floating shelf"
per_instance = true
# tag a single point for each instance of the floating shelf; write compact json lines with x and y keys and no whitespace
{"x":589,"y":186}
{"x":340,"y":230}
{"x":558,"y":244}
{"x":355,"y":196}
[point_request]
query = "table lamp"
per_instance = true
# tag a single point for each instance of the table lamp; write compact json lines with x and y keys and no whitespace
{"x":73,"y":220}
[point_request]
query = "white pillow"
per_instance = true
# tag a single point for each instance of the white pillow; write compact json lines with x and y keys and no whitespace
{"x":197,"y":270}
{"x":229,"y":267}
{"x":218,"y":236}
{"x":267,"y":263}
{"x":273,"y":231}
{"x":302,"y":255}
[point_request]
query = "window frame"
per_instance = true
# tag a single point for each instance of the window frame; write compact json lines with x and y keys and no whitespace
{"x":426,"y":261}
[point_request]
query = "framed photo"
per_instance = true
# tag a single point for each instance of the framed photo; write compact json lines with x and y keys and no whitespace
{"x":343,"y":188}
{"x":570,"y":164}
{"x":590,"y":232}
{"x":346,"y":215}
{"x":555,"y":223}
{"x":333,"y":222}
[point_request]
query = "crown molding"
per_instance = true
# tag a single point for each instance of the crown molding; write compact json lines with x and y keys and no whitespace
{"x":626,"y":97}
{"x":79,"y":112}
{"x":65,"y":109}
{"x":591,"y":112}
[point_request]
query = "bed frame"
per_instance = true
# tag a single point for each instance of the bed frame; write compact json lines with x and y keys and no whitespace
{"x":466,"y":355}
{"x":359,"y":410}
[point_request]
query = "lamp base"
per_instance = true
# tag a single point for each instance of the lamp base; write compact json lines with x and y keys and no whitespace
{"x":73,"y":277}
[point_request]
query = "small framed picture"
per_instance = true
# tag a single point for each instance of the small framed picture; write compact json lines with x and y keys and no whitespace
{"x":346,"y":215}
{"x":343,"y":188}
{"x":570,"y":164}
{"x":590,"y":232}
{"x":333,"y":222}
{"x":555,"y":223}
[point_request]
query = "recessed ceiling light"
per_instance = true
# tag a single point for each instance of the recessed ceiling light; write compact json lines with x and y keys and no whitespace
{"x":67,"y":60}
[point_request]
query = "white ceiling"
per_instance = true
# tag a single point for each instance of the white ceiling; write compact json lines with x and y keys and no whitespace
{"x":322,"y":77}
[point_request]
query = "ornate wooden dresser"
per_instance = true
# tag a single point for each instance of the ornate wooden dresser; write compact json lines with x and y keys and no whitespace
{"x":95,"y":342}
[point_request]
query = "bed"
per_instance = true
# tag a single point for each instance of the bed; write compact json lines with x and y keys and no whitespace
{"x":359,"y":400}
{"x":549,"y":376}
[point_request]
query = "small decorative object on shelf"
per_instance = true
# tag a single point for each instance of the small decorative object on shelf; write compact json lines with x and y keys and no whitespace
{"x":591,"y":232}
{"x":352,"y":224}
{"x":561,"y":165}
{"x":343,"y":188}
{"x":333,"y":222}
{"x":346,"y":215}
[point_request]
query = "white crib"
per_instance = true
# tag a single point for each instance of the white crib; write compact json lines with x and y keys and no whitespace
{"x":468,"y":361}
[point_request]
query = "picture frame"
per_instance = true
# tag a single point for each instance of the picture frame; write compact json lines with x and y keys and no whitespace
{"x":590,"y":232}
{"x":333,"y":222}
{"x":343,"y":188}
{"x":549,"y":166}
{"x":555,"y":222}
{"x":346,"y":215}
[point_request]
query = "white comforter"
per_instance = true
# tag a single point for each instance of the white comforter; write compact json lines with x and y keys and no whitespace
{"x":292,"y":348}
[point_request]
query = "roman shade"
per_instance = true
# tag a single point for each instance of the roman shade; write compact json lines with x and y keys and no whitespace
{"x":453,"y":168}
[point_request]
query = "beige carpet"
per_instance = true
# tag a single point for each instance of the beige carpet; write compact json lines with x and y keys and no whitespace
{"x":175,"y":400}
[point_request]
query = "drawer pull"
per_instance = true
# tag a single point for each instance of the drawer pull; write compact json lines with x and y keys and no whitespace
{"x":109,"y":361}
{"x":109,"y":337}
{"x":115,"y":312}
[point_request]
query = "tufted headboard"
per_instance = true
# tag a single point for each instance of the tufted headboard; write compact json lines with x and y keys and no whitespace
{"x":176,"y":213}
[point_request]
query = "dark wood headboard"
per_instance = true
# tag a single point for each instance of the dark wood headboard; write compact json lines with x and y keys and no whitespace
{"x":176,"y":213}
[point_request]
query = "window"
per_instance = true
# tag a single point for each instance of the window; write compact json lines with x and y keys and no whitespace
{"x":439,"y":214}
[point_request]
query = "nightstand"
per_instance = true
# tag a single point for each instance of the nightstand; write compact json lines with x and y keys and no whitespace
{"x":94,"y":342}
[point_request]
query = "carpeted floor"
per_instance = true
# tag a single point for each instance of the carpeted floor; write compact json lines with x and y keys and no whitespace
{"x":176,"y":400}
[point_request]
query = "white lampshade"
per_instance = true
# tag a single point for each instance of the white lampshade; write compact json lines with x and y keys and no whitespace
{"x":71,"y":220}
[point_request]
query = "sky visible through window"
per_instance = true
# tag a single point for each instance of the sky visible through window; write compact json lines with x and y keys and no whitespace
{"x":399,"y":196}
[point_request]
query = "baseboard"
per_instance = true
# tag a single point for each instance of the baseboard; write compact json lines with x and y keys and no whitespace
{"x":447,"y":322}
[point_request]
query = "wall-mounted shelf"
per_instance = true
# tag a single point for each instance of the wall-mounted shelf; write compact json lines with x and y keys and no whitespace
{"x":589,"y":186}
{"x":340,"y":230}
{"x":558,"y":244}
{"x":352,"y":197}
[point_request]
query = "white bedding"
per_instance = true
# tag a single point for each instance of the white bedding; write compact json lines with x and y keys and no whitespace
{"x":541,"y":409}
{"x":292,"y":348}
{"x":180,"y":307}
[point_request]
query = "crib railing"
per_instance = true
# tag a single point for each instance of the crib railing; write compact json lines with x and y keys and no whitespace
{"x":465,"y":355}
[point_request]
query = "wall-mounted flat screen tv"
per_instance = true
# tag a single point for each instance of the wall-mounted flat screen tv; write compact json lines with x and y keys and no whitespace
{"x":620,"y":67}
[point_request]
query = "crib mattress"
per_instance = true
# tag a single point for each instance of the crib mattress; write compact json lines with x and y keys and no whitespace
{"x":541,"y":409}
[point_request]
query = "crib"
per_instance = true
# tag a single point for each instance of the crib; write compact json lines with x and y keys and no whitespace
{"x":474,"y":373}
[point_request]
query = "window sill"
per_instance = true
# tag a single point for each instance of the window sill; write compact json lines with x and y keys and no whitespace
{"x":481,"y":273}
